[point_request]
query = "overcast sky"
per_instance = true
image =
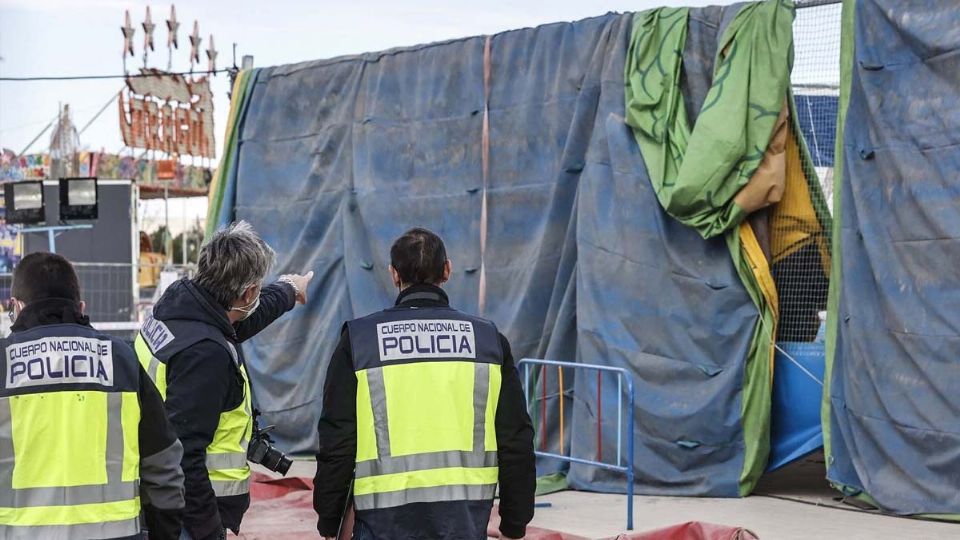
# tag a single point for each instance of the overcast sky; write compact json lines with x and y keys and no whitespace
{"x":82,"y":37}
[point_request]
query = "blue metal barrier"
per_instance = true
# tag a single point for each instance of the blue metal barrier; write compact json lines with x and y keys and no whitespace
{"x":622,"y":375}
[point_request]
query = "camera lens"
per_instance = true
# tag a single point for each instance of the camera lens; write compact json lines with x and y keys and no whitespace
{"x":274,"y":460}
{"x":283,"y":465}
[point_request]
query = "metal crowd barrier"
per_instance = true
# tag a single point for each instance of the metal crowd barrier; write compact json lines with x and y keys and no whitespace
{"x":623,"y":463}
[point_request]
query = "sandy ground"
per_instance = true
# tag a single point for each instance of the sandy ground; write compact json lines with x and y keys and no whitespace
{"x":792,"y":504}
{"x":595,"y":515}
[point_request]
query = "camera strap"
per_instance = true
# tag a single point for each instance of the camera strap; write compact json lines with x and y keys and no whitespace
{"x":346,"y":508}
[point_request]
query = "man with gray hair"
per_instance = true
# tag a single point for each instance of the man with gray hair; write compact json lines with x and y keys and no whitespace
{"x":189,"y":347}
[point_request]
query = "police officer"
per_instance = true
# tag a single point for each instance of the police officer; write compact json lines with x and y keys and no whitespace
{"x":423,"y":410}
{"x":190,"y":348}
{"x":84,"y":441}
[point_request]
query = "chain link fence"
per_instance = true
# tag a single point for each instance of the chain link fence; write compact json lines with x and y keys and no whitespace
{"x":802,"y":277}
{"x":117,"y":296}
{"x":816,"y":82}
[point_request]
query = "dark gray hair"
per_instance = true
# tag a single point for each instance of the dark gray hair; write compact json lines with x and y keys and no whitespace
{"x":235,"y":258}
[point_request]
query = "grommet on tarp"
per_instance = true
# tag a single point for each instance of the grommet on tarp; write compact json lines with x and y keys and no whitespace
{"x":866,"y":153}
{"x":870,"y":66}
{"x":366,"y":265}
{"x":471,"y":270}
{"x":575,"y":167}
{"x":473,"y":190}
{"x":687,"y":444}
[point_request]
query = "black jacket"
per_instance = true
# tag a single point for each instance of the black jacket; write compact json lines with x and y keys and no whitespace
{"x":202,"y":382}
{"x":338,"y":438}
{"x":161,"y":480}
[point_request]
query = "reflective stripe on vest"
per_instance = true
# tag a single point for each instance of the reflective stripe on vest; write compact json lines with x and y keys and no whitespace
{"x":227,"y":488}
{"x":227,"y":454}
{"x":156,"y":369}
{"x":425,"y":433}
{"x":426,"y":495}
{"x":107,"y":529}
{"x":79,"y":477}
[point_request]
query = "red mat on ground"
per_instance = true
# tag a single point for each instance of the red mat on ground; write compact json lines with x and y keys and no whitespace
{"x":693,"y":530}
{"x":282,"y":509}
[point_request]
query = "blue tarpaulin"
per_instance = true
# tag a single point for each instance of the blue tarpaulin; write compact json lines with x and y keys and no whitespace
{"x":794,"y":410}
{"x":894,"y":385}
{"x":335,"y":158}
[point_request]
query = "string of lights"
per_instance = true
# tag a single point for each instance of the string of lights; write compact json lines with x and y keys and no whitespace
{"x":123,"y":76}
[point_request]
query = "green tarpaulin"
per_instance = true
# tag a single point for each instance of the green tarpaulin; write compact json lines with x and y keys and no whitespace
{"x":706,"y":174}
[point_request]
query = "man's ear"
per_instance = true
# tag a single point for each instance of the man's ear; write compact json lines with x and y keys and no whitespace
{"x":395,"y":276}
{"x":249,"y":295}
{"x":447,"y":270}
{"x":83,"y":307}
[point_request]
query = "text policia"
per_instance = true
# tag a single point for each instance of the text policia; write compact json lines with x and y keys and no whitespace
{"x":425,"y":339}
{"x":59,"y":360}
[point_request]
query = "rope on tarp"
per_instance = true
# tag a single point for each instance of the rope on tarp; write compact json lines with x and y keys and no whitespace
{"x":485,"y":164}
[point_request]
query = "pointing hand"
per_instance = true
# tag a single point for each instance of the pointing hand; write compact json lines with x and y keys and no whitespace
{"x":299,"y":283}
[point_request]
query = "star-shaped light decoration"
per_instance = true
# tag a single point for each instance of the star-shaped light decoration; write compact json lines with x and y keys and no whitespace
{"x":195,"y":40}
{"x":172,"y":26}
{"x":211,"y":56}
{"x":148,"y":27}
{"x":128,"y":32}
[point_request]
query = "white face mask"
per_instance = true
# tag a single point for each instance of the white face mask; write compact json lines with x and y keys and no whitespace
{"x":248,"y":309}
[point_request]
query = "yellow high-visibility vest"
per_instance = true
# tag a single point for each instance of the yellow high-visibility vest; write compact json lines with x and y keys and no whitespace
{"x":428,"y":383}
{"x":226,"y":459}
{"x":69,"y":435}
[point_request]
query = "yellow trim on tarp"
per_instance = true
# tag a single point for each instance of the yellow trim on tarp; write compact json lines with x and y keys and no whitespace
{"x":236,"y":92}
{"x":751,"y":249}
{"x":761,"y":269}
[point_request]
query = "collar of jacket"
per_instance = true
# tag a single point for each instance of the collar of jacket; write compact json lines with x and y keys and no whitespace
{"x":187,"y":300}
{"x":216,"y":312}
{"x":50,"y":311}
{"x":423,"y":295}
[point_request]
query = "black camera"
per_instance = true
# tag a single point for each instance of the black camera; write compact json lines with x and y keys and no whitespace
{"x":261,"y":449}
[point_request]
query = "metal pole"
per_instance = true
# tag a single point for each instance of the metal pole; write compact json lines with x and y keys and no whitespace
{"x":630,"y":456}
{"x":35,"y":139}
{"x":619,"y":415}
{"x":526,"y":383}
{"x":599,"y":418}
{"x":85,"y":126}
{"x":816,"y":3}
{"x":183,"y":234}
{"x":51,"y":241}
{"x":168,"y":248}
